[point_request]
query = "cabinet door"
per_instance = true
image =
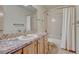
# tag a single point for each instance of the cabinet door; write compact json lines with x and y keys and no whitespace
{"x":40,"y":46}
{"x":25,"y":50}
{"x":18,"y":52}
{"x":29,"y":49}
{"x":45,"y":45}
{"x":35,"y":47}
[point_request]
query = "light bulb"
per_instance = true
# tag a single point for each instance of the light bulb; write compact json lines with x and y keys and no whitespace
{"x":1,"y":14}
{"x":53,"y":20}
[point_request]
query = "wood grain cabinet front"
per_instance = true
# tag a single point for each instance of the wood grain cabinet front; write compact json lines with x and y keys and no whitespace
{"x":45,"y":45}
{"x":36,"y":47}
{"x":18,"y":52}
{"x":27,"y":49}
{"x":30,"y":49}
{"x":40,"y":46}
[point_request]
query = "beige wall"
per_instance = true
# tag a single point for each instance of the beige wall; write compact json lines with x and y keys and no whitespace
{"x":38,"y":20}
{"x":1,"y":19}
{"x":34,"y":23}
{"x":54,"y":28}
{"x":77,"y":29}
{"x":14,"y":15}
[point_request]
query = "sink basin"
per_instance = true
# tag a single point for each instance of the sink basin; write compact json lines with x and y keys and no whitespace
{"x":23,"y":38}
{"x":27,"y":37}
{"x":32,"y":35}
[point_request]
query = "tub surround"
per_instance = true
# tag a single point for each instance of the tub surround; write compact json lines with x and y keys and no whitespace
{"x":12,"y":46}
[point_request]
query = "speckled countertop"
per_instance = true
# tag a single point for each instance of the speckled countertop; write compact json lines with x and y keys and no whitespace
{"x":10,"y":46}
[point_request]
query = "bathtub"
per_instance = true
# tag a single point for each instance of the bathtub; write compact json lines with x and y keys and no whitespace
{"x":55,"y":41}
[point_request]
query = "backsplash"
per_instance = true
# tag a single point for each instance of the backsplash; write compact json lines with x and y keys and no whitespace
{"x":12,"y":35}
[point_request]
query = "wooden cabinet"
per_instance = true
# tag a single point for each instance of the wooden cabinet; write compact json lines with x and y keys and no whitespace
{"x":28,"y":49}
{"x":18,"y":52}
{"x":31,"y":49}
{"x":35,"y":47}
{"x":40,"y":46}
{"x":45,"y":44}
{"x":25,"y":50}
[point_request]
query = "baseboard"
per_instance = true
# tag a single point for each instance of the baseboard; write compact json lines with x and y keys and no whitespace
{"x":70,"y":50}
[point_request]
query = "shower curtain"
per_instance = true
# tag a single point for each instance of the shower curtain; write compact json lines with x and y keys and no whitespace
{"x":68,"y":29}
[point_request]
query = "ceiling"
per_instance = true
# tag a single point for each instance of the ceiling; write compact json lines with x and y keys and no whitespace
{"x":54,"y":6}
{"x":31,"y":9}
{"x":50,"y":6}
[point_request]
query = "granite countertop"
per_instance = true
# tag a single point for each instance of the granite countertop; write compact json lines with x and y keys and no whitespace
{"x":10,"y":46}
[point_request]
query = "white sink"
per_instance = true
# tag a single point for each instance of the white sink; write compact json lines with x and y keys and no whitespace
{"x":27,"y":37}
{"x":32,"y":35}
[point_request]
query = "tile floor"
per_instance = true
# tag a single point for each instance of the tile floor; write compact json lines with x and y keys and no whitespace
{"x":56,"y":50}
{"x":60,"y":51}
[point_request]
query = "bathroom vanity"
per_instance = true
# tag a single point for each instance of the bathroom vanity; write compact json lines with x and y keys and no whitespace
{"x":33,"y":44}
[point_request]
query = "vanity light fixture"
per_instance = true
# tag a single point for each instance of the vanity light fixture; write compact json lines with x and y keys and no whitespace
{"x":1,"y":14}
{"x":53,"y":20}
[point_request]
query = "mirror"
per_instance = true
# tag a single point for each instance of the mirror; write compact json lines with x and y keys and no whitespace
{"x":14,"y":18}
